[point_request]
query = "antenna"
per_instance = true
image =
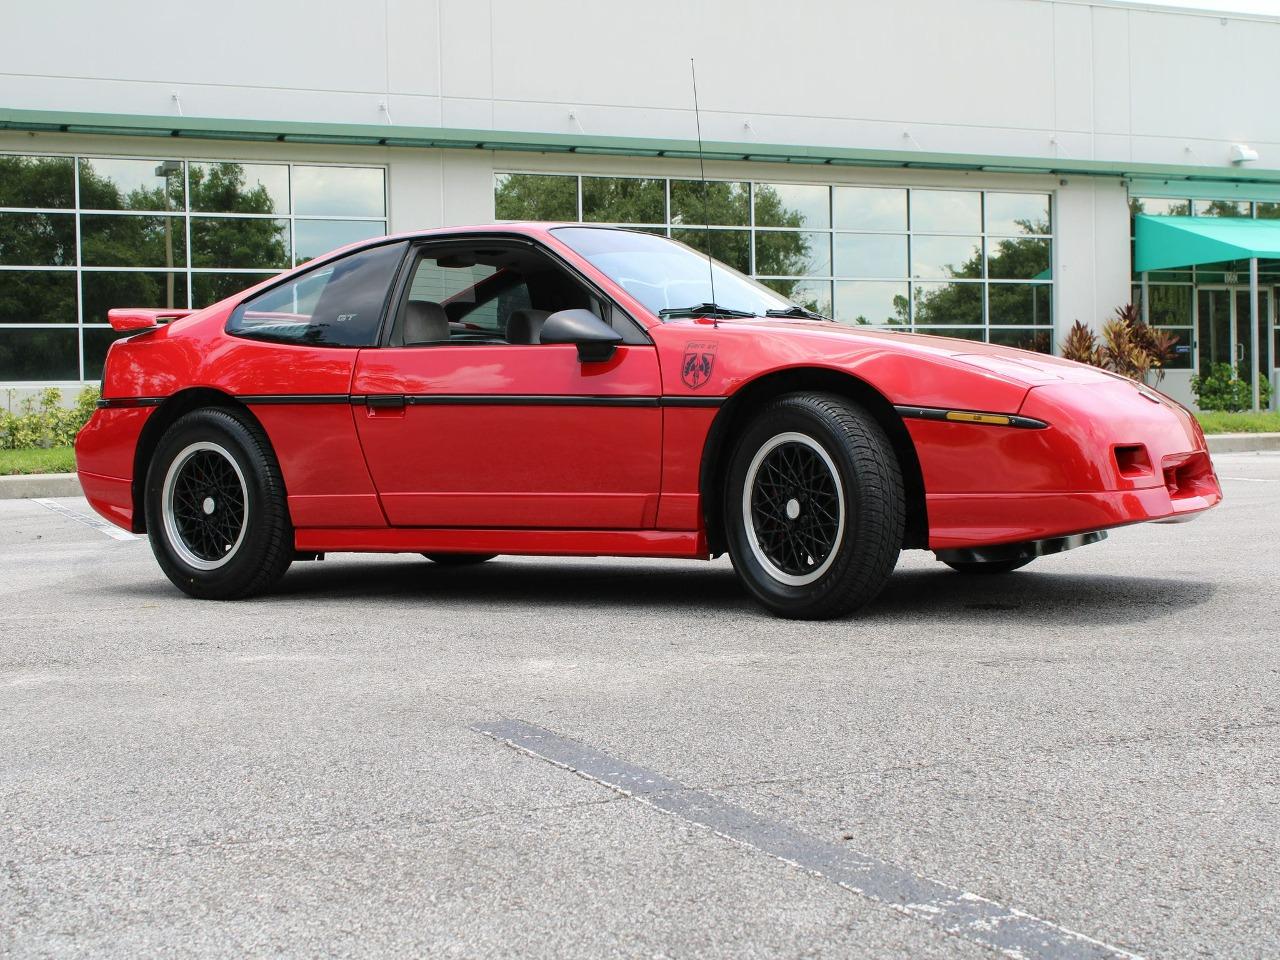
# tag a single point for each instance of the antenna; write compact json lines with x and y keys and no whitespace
{"x":702,"y":170}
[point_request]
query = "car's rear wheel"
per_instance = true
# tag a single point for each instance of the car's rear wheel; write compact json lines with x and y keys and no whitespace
{"x":459,"y":559}
{"x":216,"y":509}
{"x":987,"y":567}
{"x":814,"y":507}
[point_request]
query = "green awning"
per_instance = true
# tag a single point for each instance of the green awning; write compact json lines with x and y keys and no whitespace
{"x":1165,"y":243}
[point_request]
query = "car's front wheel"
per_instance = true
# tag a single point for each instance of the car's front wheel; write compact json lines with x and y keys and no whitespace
{"x":216,"y":509}
{"x":814,"y":507}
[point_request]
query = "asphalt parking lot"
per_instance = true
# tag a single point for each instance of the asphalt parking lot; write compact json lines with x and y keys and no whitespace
{"x":1092,"y":744}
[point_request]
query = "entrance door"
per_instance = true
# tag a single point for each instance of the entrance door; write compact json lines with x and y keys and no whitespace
{"x":1223,"y":332}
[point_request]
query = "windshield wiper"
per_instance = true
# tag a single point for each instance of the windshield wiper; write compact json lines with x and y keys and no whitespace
{"x":703,"y":310}
{"x":798,"y":312}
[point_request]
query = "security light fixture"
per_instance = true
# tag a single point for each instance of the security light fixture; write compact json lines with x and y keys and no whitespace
{"x":1242,"y":153}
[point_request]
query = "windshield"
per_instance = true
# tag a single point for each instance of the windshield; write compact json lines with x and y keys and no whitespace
{"x":665,"y":275}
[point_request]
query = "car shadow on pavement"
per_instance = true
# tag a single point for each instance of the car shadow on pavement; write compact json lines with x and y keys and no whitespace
{"x":1040,"y":596}
{"x":912,"y":595}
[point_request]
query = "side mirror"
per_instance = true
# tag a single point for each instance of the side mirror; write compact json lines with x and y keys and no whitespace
{"x":596,"y":340}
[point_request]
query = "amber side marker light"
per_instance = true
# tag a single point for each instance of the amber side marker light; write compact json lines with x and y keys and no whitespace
{"x":964,"y":416}
{"x":970,"y":416}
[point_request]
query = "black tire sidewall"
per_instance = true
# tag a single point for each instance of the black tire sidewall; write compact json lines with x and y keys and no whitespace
{"x":266,"y":524}
{"x":840,"y":588}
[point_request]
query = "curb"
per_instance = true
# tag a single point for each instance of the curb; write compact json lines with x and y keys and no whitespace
{"x":39,"y":485}
{"x":1243,"y":442}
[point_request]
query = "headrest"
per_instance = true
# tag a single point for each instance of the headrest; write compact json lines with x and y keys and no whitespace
{"x":525,"y":326}
{"x":425,"y":322}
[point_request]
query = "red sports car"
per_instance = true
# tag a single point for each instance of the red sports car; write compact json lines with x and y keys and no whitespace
{"x":573,"y":390}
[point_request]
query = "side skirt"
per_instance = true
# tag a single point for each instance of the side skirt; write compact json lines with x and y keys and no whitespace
{"x":681,"y":544}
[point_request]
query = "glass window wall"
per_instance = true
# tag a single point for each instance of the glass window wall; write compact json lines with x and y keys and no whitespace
{"x":80,"y":235}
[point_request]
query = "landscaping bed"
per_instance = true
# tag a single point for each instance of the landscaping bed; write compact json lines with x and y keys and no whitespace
{"x":1245,"y":421}
{"x":37,"y":460}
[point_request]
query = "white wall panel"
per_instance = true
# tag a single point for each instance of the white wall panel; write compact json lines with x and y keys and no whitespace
{"x":466,"y":47}
{"x":1204,"y":77}
{"x":1072,"y":68}
{"x":1110,"y":69}
{"x":1039,"y":78}
{"x":311,"y":45}
{"x":413,"y":47}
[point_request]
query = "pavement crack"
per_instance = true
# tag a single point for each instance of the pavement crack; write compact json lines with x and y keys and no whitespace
{"x":190,"y":846}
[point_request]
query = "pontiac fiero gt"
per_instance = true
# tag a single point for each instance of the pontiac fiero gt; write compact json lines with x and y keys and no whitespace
{"x":572,"y":390}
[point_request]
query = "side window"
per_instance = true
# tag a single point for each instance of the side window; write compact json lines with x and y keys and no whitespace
{"x":463,"y":288}
{"x":338,"y":304}
{"x":490,"y":293}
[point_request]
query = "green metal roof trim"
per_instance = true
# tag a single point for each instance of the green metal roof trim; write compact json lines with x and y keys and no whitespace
{"x":1162,"y":243}
{"x":285,"y":131}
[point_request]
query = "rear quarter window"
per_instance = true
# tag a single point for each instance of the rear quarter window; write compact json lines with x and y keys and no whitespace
{"x":338,"y":304}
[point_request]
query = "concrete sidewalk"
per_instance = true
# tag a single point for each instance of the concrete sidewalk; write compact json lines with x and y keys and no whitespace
{"x":39,"y":485}
{"x":1243,"y":442}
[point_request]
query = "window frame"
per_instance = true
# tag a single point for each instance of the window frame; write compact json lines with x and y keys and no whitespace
{"x":300,"y":274}
{"x":633,"y":333}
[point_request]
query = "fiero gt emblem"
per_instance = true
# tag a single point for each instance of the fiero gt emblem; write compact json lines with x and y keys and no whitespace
{"x":699,"y":358}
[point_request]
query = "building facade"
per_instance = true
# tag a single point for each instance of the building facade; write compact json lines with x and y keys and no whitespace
{"x":970,"y":169}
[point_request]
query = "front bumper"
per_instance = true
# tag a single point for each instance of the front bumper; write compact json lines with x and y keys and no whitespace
{"x":978,"y":519}
{"x":1112,"y":455}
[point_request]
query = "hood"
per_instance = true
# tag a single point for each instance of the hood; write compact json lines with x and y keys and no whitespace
{"x":1024,"y":366}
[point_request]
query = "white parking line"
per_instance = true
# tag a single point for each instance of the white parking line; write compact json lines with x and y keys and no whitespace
{"x":1250,"y":479}
{"x":111,"y":530}
{"x":1006,"y":929}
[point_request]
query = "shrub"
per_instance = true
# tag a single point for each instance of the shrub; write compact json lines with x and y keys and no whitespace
{"x":1081,"y":345}
{"x":42,"y":420}
{"x":1223,"y":390}
{"x":1129,"y":347}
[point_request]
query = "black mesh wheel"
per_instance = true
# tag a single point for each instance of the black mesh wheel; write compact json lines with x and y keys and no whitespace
{"x":813,"y":506}
{"x":216,"y":508}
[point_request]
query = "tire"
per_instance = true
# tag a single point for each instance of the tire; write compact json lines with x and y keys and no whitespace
{"x":987,"y":567}
{"x":459,"y":559}
{"x":216,"y":508}
{"x":813,"y":507}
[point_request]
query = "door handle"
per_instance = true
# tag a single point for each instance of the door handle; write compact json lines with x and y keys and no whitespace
{"x":1239,"y":351}
{"x":386,"y":401}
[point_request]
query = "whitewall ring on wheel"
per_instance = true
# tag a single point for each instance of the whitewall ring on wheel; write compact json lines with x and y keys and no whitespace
{"x":793,"y":508}
{"x":814,"y":507}
{"x":215,"y":506}
{"x":205,"y":504}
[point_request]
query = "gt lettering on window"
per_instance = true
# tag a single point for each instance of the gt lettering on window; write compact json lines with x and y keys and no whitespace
{"x":338,"y":304}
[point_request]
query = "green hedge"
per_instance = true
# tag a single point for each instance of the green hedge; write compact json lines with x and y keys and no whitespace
{"x":42,"y":420}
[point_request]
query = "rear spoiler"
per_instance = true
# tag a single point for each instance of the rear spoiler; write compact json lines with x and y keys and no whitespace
{"x":139,"y":318}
